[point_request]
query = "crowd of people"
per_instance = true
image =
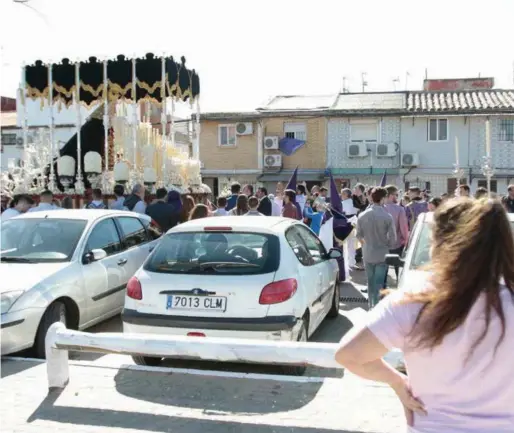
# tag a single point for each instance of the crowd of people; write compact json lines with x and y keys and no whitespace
{"x":379,"y":218}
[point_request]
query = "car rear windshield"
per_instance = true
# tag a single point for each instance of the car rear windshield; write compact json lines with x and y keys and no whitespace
{"x":40,"y":239}
{"x":228,"y":253}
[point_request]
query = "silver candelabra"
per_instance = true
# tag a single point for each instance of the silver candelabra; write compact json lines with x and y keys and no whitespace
{"x":488,"y":171}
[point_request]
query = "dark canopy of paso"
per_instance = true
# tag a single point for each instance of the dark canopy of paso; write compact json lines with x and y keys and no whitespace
{"x":180,"y":83}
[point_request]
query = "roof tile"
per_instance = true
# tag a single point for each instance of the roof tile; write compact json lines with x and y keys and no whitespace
{"x":477,"y":100}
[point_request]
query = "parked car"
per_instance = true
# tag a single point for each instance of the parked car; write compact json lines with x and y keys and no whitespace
{"x":67,"y":265}
{"x":245,"y":277}
{"x":416,"y":256}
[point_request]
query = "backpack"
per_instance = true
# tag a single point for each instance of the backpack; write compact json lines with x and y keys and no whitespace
{"x":94,"y":206}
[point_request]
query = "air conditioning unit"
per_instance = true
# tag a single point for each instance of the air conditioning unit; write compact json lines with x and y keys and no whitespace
{"x":357,"y":150}
{"x":245,"y":128}
{"x":273,"y":161}
{"x":410,"y":159}
{"x":271,"y":143}
{"x":385,"y":150}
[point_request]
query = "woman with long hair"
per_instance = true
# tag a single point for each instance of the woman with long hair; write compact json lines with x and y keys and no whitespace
{"x":457,"y":334}
{"x":199,"y":211}
{"x":188,"y":203}
{"x":242,"y":206}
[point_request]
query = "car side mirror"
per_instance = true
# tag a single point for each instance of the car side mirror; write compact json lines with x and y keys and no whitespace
{"x":98,"y":254}
{"x":334,"y":254}
{"x":93,"y":256}
{"x":394,"y":260}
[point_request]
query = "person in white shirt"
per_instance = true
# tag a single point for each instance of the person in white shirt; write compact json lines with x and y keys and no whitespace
{"x":21,"y":205}
{"x":222,"y":204}
{"x":276,"y":205}
{"x":350,"y":211}
{"x":253,"y":203}
{"x":46,"y":199}
{"x":301,"y":196}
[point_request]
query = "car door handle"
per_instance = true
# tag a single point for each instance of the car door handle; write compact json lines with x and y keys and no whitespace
{"x":121,"y":262}
{"x":151,"y":248}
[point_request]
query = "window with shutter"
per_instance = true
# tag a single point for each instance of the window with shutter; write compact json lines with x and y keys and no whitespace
{"x":364,"y":132}
{"x":295,"y":130}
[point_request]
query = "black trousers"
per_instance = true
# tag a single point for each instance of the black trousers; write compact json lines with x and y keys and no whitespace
{"x":398,"y":251}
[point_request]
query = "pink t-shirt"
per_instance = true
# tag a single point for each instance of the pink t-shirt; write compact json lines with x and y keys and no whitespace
{"x":472,"y":397}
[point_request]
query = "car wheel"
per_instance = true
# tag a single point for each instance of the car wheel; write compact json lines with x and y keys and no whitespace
{"x":148,"y":361}
{"x":297,"y":370}
{"x":56,"y":312}
{"x":334,"y":310}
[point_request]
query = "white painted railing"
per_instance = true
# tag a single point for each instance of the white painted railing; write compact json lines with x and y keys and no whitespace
{"x":60,"y":340}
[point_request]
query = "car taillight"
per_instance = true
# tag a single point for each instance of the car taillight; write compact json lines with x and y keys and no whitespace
{"x":195,"y":334}
{"x":134,"y":290}
{"x":279,"y":291}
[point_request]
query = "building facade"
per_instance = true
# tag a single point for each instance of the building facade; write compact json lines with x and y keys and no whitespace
{"x":414,"y":138}
{"x":246,"y":147}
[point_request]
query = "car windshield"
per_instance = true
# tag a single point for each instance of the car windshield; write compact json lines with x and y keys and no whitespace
{"x":421,"y":255}
{"x":34,"y":240}
{"x":230,"y":253}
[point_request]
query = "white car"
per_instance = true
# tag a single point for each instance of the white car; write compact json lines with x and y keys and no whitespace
{"x":67,"y":265}
{"x":240,"y":277}
{"x":416,"y":256}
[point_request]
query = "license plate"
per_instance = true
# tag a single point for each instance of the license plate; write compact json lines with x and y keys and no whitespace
{"x":198,"y":303}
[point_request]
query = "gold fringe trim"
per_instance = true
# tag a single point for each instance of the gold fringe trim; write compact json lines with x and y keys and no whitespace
{"x":147,"y":87}
{"x":88,"y":88}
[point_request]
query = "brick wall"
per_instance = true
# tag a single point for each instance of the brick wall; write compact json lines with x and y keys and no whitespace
{"x":215,"y":157}
{"x":313,"y":154}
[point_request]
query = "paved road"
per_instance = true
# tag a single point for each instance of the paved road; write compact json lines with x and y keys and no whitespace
{"x":351,"y":308}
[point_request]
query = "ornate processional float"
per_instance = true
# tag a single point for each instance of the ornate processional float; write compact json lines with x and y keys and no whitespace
{"x":113,"y":145}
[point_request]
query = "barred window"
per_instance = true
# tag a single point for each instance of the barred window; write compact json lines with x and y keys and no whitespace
{"x":506,"y":131}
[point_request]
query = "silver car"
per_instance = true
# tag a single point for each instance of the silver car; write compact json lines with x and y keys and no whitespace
{"x":67,"y":265}
{"x":416,"y":256}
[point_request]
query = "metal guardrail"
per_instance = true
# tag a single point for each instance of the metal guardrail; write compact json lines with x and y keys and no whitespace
{"x":60,"y":340}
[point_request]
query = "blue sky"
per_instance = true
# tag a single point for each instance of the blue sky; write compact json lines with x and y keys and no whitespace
{"x":247,"y":51}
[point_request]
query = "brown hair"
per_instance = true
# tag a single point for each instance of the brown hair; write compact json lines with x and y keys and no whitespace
{"x":378,"y":193}
{"x":391,"y":189}
{"x":481,"y":192}
{"x":253,"y":202}
{"x":242,"y":205}
{"x":188,"y":203}
{"x":199,"y":211}
{"x":472,"y":249}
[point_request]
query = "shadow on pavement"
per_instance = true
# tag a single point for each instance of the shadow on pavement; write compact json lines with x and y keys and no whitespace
{"x":216,"y":393}
{"x":13,"y":366}
{"x":153,"y":422}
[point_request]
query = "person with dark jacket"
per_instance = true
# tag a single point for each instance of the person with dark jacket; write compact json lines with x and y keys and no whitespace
{"x":235,"y":189}
{"x":135,"y":202}
{"x":164,"y":214}
{"x":265,"y":206}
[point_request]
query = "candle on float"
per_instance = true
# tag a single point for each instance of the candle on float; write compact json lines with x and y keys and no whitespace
{"x":487,"y":138}
{"x":457,"y":150}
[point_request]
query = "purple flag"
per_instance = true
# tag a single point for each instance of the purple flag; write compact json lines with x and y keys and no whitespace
{"x":383,"y":182}
{"x":292,"y":185}
{"x":288,"y":146}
